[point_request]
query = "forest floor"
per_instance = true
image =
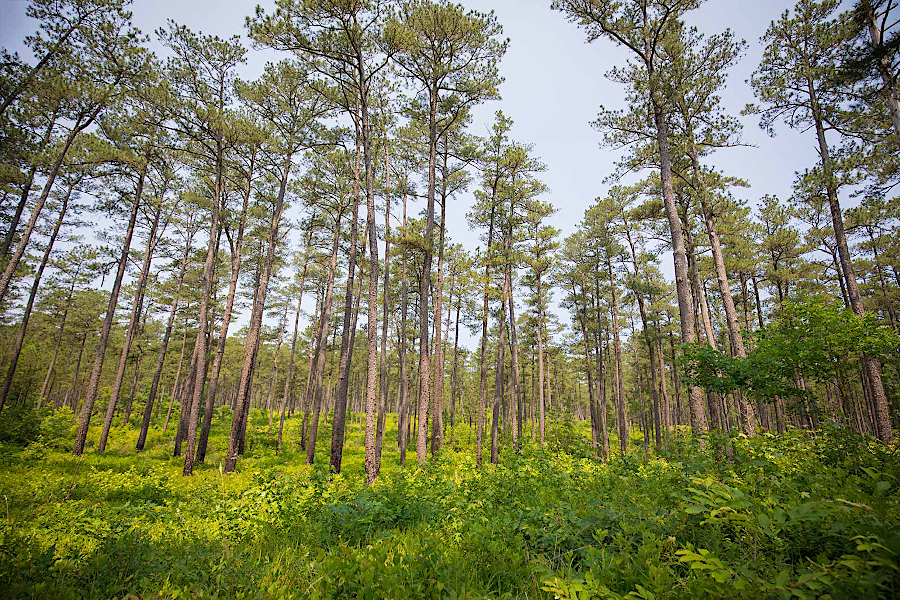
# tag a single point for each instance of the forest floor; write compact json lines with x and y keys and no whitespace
{"x":804,"y":516}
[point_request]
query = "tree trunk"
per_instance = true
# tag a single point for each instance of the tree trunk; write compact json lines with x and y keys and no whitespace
{"x":90,"y":396}
{"x":748,"y":418}
{"x":174,"y":390}
{"x":872,"y":366}
{"x":321,"y":346}
{"x":346,"y":354}
{"x":59,"y":335}
{"x":29,"y":305}
{"x":133,"y":322}
{"x":161,"y":360}
{"x":290,"y":369}
{"x":384,"y":368}
{"x":226,"y":317}
{"x":254,"y":329}
{"x":80,"y":124}
{"x":498,"y":380}
{"x":682,"y":286}
{"x":482,"y":390}
{"x":26,"y":191}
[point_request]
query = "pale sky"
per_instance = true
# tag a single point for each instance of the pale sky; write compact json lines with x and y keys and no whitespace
{"x":554,"y":85}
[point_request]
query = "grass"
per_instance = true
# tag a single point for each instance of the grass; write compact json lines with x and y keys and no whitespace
{"x":800,"y":516}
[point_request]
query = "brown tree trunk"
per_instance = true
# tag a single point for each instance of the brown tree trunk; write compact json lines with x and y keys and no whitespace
{"x":29,"y":305}
{"x":748,"y":418}
{"x":133,"y":322}
{"x":384,"y":367}
{"x":26,"y":191}
{"x":498,"y":380}
{"x":482,"y":389}
{"x":403,"y":417}
{"x":161,"y":360}
{"x":682,"y":285}
{"x":321,"y":346}
{"x":173,"y":393}
{"x":346,"y":353}
{"x":290,"y":369}
{"x":80,"y":124}
{"x":236,"y":250}
{"x":59,"y":335}
{"x":872,"y":367}
{"x":254,"y":329}
{"x":90,"y":396}
{"x":540,"y":359}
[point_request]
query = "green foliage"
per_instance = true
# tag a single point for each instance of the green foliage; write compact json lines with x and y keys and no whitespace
{"x":19,"y":424}
{"x":811,"y":339}
{"x":786,"y":517}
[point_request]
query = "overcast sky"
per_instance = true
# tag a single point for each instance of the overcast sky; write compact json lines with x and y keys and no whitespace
{"x":554,"y":85}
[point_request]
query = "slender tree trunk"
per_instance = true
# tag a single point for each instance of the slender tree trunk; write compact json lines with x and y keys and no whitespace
{"x":872,"y":366}
{"x":425,"y":288}
{"x":321,"y":346}
{"x":371,"y":460}
{"x":90,"y":396}
{"x":236,"y":251}
{"x":885,"y":68}
{"x":254,"y":329}
{"x":26,"y":191}
{"x":384,"y":367}
{"x":346,"y":353}
{"x":290,"y":369}
{"x":499,"y":379}
{"x":403,"y":417}
{"x":203,"y":316}
{"x":437,"y":425}
{"x":80,"y":124}
{"x":540,"y":342}
{"x":682,"y":285}
{"x":174,"y":391}
{"x":482,"y":389}
{"x":133,"y":322}
{"x":59,"y":335}
{"x":29,"y":305}
{"x":161,"y":360}
{"x":454,"y":375}
{"x":748,"y":418}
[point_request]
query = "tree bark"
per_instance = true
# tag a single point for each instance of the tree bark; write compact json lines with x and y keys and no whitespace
{"x":236,"y":256}
{"x":133,"y":322}
{"x":161,"y":360}
{"x":346,"y":353}
{"x":90,"y":396}
{"x":29,"y":305}
{"x":682,"y":286}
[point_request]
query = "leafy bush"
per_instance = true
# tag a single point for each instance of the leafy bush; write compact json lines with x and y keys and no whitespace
{"x":19,"y":424}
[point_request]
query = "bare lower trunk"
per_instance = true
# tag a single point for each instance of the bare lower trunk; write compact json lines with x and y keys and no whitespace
{"x":346,"y":352}
{"x":59,"y":335}
{"x":748,"y":418}
{"x":321,"y":345}
{"x":498,"y":380}
{"x":682,"y":286}
{"x":254,"y":329}
{"x":90,"y":396}
{"x":482,"y":389}
{"x":226,"y":319}
{"x":384,"y":369}
{"x":26,"y":315}
{"x":872,"y":366}
{"x":130,"y":332}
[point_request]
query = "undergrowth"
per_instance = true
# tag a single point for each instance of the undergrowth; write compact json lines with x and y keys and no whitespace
{"x":804,"y":516}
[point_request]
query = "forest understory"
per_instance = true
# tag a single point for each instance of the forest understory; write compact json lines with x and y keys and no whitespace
{"x":806,"y":515}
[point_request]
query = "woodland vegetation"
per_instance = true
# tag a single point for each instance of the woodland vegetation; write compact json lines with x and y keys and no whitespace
{"x":231,"y":313}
